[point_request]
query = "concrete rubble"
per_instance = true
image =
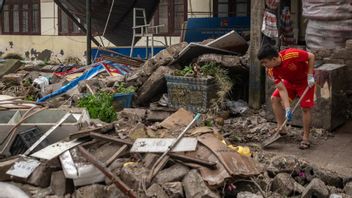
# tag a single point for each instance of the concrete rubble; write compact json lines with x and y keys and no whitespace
{"x":101,"y":163}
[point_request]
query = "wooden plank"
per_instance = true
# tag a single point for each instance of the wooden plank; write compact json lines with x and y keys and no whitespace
{"x":55,"y":149}
{"x":256,"y":72}
{"x":159,"y":145}
{"x":116,"y":180}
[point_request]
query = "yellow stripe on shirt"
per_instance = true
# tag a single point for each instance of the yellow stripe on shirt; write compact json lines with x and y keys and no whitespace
{"x":290,"y":55}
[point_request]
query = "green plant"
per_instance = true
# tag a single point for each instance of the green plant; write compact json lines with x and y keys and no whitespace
{"x":99,"y":106}
{"x":121,"y":88}
{"x":223,"y":81}
{"x":186,"y":71}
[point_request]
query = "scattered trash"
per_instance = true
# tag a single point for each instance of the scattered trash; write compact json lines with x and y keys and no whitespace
{"x":237,"y":107}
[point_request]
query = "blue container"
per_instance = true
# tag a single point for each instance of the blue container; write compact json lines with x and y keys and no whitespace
{"x":122,"y":100}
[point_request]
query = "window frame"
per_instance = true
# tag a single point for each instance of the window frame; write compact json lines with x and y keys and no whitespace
{"x":171,"y":19}
{"x":232,"y":5}
{"x":30,"y":21}
{"x":70,"y":24}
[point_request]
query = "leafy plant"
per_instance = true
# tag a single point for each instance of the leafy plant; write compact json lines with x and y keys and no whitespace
{"x":99,"y":106}
{"x":221,"y":77}
{"x":188,"y":70}
{"x":121,"y":88}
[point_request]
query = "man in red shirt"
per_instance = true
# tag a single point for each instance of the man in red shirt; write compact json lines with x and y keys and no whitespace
{"x":292,"y":72}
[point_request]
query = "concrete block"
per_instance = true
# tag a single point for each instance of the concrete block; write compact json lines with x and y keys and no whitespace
{"x":173,"y":189}
{"x":41,"y":176}
{"x":316,"y":188}
{"x":156,"y":191}
{"x":172,"y":174}
{"x":59,"y":184}
{"x":194,"y":186}
{"x":157,"y":116}
{"x":329,"y":111}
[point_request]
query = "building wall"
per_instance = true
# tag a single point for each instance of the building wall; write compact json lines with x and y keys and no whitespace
{"x":50,"y":43}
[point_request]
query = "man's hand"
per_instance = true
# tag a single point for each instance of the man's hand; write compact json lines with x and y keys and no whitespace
{"x":311,"y":80}
{"x":288,"y":114}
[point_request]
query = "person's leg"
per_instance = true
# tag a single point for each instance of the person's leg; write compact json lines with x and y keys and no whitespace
{"x":307,"y":119}
{"x":307,"y":103}
{"x":278,"y":110}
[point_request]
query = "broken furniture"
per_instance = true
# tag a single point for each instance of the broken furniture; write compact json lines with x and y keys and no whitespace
{"x":43,"y":121}
{"x":330,"y":109}
{"x":142,"y":29}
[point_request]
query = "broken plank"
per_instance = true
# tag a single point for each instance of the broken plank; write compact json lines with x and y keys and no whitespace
{"x":116,"y":180}
{"x":159,"y":145}
{"x":110,"y":138}
{"x":55,"y":149}
{"x":113,"y":157}
{"x":86,"y":132}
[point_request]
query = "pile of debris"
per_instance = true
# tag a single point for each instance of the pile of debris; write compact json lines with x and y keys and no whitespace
{"x":123,"y":159}
{"x":253,"y":127}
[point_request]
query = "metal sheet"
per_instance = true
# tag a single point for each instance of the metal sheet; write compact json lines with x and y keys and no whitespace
{"x":230,"y":41}
{"x":234,"y":163}
{"x":159,"y":145}
{"x":55,"y":149}
{"x":194,"y":50}
{"x":213,"y":177}
{"x":23,"y":168}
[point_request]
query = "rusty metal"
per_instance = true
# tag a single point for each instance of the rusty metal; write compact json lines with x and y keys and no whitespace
{"x":115,"y":155}
{"x":86,"y":132}
{"x":235,"y":164}
{"x":211,"y":165}
{"x":109,"y":138}
{"x":123,"y":60}
{"x":116,"y":180}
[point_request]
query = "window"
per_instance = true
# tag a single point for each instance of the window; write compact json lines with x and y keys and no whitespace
{"x":172,"y":14}
{"x":21,"y":17}
{"x":67,"y":26}
{"x":226,"y":8}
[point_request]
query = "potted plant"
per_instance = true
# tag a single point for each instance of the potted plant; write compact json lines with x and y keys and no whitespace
{"x":198,"y":88}
{"x":123,"y":97}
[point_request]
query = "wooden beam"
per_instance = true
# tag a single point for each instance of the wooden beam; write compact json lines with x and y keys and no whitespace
{"x":256,"y":72}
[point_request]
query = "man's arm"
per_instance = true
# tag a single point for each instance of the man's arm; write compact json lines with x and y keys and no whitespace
{"x":310,"y":77}
{"x":311,"y":60}
{"x":283,"y":94}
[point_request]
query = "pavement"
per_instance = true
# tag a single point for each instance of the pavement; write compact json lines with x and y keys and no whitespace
{"x":334,"y":154}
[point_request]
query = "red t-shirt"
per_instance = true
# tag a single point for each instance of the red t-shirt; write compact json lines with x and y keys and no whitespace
{"x":293,"y":67}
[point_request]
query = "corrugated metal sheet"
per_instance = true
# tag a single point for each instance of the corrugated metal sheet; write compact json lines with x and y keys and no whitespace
{"x":119,"y":30}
